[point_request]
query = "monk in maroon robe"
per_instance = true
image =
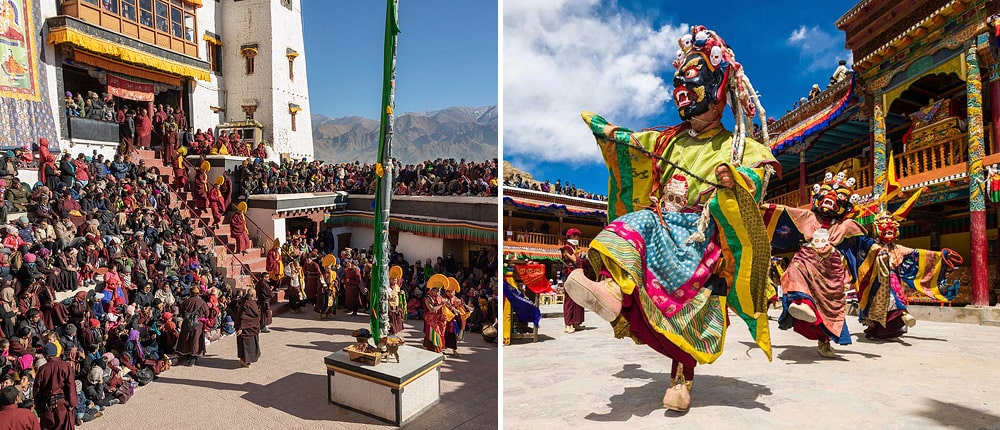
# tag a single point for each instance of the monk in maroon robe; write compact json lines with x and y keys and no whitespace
{"x":238,"y":228}
{"x":191,"y":340}
{"x":12,"y":416}
{"x":54,"y":392}
{"x":312,"y":273}
{"x":216,"y":204}
{"x":200,"y":190}
{"x":143,"y":129}
{"x":227,"y":191}
{"x":352,"y":288}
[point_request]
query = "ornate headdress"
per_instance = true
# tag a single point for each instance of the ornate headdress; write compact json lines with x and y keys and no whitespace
{"x":724,"y":74}
{"x":834,"y":197}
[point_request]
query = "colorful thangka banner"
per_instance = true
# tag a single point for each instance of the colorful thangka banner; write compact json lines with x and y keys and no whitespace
{"x":25,"y":113}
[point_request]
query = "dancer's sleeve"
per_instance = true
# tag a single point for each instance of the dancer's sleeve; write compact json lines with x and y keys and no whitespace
{"x":746,"y":251}
{"x":923,"y":271}
{"x":781,"y":226}
{"x":630,"y":172}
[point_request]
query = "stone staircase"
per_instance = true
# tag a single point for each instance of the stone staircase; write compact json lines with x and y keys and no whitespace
{"x":238,"y":271}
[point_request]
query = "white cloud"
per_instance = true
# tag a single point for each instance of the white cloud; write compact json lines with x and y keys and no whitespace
{"x":562,"y":57}
{"x":818,"y":50}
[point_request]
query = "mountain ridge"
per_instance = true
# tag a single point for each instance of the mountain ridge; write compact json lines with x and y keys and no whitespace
{"x":455,"y":132}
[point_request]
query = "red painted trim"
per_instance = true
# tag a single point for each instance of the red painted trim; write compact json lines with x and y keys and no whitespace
{"x":979,"y":263}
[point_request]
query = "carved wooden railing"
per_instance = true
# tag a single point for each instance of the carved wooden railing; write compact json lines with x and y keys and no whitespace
{"x":787,"y":199}
{"x":543,"y":239}
{"x":946,"y":152}
{"x":863,"y":177}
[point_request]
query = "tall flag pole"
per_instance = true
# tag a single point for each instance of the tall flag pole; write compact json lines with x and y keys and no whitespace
{"x":379,"y":297}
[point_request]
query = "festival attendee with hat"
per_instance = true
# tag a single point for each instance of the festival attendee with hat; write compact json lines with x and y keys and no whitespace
{"x":248,"y":323}
{"x":397,"y":300}
{"x":238,"y":228}
{"x":679,"y":202}
{"x":180,"y":169}
{"x":326,"y":300}
{"x":216,"y":203}
{"x":573,"y":313}
{"x":455,"y":314}
{"x":200,"y":188}
{"x":274,"y":264}
{"x":54,"y":391}
{"x":352,"y":287}
{"x":434,"y":318}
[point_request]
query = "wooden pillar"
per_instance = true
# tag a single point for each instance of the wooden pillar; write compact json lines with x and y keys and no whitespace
{"x":803,"y":186}
{"x":879,"y":150}
{"x":977,"y":180}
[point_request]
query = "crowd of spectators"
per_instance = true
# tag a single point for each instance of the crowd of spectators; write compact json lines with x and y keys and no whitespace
{"x":104,"y":231}
{"x":559,"y":187}
{"x":441,"y":177}
{"x":476,"y":277}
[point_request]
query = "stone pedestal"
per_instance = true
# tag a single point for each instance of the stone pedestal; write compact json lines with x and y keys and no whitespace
{"x":392,"y":392}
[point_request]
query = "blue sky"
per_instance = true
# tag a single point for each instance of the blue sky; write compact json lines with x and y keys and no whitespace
{"x":446,"y":56}
{"x":613,"y":58}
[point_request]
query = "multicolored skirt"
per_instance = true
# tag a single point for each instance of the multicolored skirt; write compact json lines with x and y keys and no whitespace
{"x":666,"y":282}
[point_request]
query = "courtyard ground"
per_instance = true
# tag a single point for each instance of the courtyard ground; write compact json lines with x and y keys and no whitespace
{"x":287,"y":388}
{"x":940,"y":375}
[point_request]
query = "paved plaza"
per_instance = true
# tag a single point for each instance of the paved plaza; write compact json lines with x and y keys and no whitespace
{"x":287,"y":388}
{"x":941,"y":375}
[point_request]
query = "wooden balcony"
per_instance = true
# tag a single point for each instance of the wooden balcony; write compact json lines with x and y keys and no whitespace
{"x":543,"y":239}
{"x":787,"y":199}
{"x":941,"y":154}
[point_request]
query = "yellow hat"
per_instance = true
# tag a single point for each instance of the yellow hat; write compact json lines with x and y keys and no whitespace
{"x":205,"y":165}
{"x":241,"y":206}
{"x":395,"y":272}
{"x":329,"y":260}
{"x":437,"y":281}
{"x":182,"y":150}
{"x":219,"y":180}
{"x":276,"y":243}
{"x":452,"y":285}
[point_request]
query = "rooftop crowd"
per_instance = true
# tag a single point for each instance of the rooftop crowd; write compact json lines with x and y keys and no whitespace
{"x":441,"y":177}
{"x":559,"y":187}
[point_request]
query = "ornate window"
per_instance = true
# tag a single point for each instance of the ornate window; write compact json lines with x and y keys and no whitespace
{"x":293,"y":109}
{"x":292,"y":55}
{"x":214,"y":50}
{"x":168,"y":23}
{"x":249,"y":52}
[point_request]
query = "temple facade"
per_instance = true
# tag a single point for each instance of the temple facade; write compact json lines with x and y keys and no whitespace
{"x":220,"y":61}
{"x":535,"y":224}
{"x":922,"y":106}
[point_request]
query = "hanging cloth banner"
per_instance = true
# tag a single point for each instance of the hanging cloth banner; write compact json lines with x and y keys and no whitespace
{"x":130,"y":90}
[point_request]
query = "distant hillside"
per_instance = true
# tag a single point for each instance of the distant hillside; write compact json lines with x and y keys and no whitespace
{"x":510,"y":171}
{"x":456,"y":132}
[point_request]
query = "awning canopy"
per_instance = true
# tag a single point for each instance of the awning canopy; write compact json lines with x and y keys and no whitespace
{"x":799,"y":132}
{"x":97,"y":45}
{"x":445,"y":229}
{"x":535,"y":206}
{"x":124,"y":69}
